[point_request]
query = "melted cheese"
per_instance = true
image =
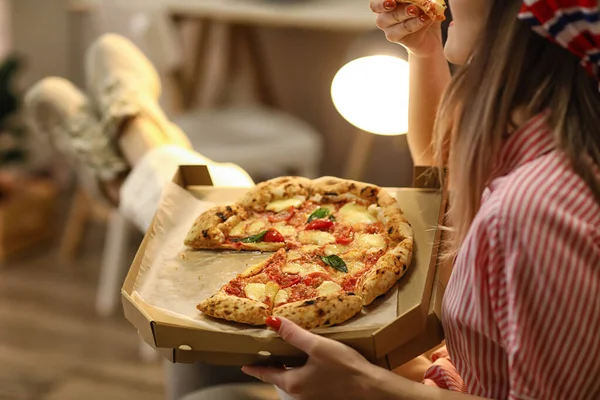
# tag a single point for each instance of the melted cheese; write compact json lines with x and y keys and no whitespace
{"x":239,"y":229}
{"x":271,"y":290}
{"x":353,"y":214}
{"x":354,"y":266}
{"x":316,"y":237}
{"x":293,"y":255}
{"x":281,"y":205}
{"x":252,"y":270}
{"x":328,"y":287}
{"x":256,"y":291}
{"x":256,"y":227}
{"x":246,"y":228}
{"x":336,"y":249}
{"x":309,"y":248}
{"x":302,"y":269}
{"x":370,"y":243}
{"x":281,"y":297}
{"x":284,"y":229}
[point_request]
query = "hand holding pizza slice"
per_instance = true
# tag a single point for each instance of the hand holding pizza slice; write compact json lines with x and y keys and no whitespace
{"x":434,"y":9}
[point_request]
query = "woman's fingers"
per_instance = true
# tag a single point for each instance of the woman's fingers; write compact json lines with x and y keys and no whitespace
{"x":273,"y":376}
{"x":381,"y":6}
{"x":401,"y":14}
{"x":397,"y":33}
{"x":293,"y":334}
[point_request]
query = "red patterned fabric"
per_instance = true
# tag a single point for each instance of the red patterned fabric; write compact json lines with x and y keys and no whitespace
{"x":573,"y":24}
{"x":521,"y":312}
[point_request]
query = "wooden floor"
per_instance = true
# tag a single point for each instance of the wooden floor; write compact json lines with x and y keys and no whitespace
{"x":52,"y":344}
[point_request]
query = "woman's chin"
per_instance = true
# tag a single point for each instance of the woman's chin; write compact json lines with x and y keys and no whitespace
{"x":456,"y":56}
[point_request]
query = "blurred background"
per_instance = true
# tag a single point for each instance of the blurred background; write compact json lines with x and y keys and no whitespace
{"x":236,"y":78}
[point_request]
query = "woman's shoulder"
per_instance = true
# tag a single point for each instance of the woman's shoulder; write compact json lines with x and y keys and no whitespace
{"x":542,"y":203}
{"x":546,"y":187}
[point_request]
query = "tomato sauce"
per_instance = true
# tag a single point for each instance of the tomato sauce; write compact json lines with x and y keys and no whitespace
{"x":371,"y":259}
{"x":301,"y":292}
{"x":315,"y":279}
{"x":235,"y":288}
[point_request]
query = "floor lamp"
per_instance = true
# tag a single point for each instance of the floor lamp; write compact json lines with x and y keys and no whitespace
{"x":371,"y":93}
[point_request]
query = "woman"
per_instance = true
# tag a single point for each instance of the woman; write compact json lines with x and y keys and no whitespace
{"x":518,"y":128}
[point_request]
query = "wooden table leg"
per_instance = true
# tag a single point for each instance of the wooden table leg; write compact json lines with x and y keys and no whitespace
{"x":187,"y":78}
{"x":79,"y":214}
{"x":248,"y":36}
{"x":218,"y":66}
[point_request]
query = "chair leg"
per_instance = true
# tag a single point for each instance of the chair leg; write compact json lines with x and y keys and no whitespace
{"x":113,"y":263}
{"x":79,"y":214}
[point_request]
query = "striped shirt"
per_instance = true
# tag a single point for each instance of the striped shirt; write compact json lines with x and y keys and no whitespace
{"x":522,"y":309}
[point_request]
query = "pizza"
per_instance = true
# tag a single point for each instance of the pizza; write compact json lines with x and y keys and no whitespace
{"x":337,"y":245}
{"x":434,"y":9}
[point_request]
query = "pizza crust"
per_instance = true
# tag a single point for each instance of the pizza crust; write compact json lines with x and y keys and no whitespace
{"x":331,"y":189}
{"x":388,"y":270}
{"x":211,"y":228}
{"x":321,"y":311}
{"x":396,"y":226}
{"x":237,"y":309}
{"x":285,"y":187}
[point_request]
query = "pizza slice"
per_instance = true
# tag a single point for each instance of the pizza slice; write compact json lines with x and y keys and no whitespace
{"x":259,"y":222}
{"x":296,"y":289}
{"x":249,"y":297}
{"x":434,"y":9}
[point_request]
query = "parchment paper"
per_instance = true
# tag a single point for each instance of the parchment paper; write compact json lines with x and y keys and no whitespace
{"x":174,"y":279}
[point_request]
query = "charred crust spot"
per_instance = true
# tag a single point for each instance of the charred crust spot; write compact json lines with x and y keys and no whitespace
{"x":320,"y":312}
{"x":229,"y":209}
{"x":404,"y":267}
{"x":330,"y":194}
{"x":227,"y":312}
{"x":391,"y":230}
{"x":351,"y":294}
{"x":205,"y":233}
{"x":308,"y":303}
{"x":352,"y":186}
{"x":370,"y":190}
{"x":328,"y":322}
{"x":221,"y":216}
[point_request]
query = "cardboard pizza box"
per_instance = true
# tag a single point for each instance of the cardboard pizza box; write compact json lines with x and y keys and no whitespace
{"x":415,"y":329}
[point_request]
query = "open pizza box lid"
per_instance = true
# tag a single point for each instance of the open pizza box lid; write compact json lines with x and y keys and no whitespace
{"x":413,"y":327}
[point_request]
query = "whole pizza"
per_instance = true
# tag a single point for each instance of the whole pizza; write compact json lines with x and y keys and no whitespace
{"x":337,"y":245}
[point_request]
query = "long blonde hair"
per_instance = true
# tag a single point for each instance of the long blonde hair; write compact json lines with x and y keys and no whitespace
{"x":512,"y":69}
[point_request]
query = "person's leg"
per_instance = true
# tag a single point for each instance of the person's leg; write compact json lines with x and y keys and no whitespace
{"x":183,"y":379}
{"x":62,"y":114}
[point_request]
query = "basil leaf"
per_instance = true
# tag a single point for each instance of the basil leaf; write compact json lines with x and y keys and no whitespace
{"x":251,"y":239}
{"x":335,"y":262}
{"x":318,"y":213}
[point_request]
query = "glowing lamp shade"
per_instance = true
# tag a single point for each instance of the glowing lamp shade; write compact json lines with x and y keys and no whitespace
{"x":372,"y":94}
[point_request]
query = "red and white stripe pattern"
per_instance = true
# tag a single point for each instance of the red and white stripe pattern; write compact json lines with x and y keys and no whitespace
{"x":573,"y":24}
{"x":522,"y":308}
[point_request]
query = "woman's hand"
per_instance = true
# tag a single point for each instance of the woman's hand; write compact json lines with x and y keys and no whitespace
{"x":406,"y":24}
{"x":333,"y":371}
